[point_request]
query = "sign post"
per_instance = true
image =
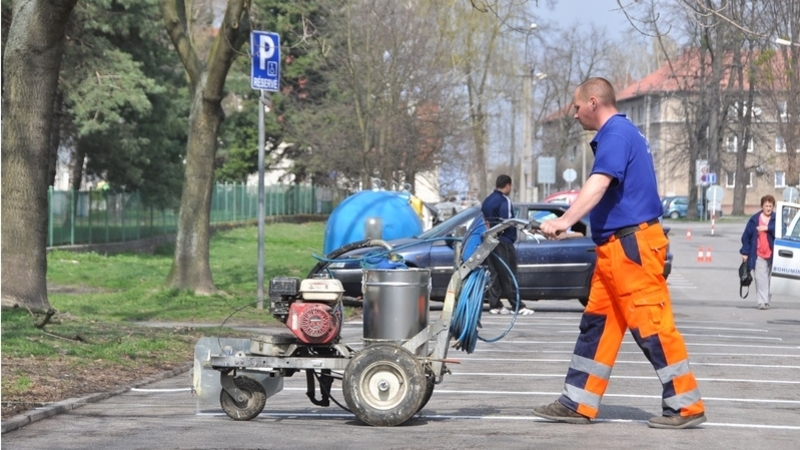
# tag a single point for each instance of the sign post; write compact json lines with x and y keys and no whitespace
{"x":265,"y":75}
{"x":547,"y":172}
{"x":569,"y":176}
{"x":714,"y":196}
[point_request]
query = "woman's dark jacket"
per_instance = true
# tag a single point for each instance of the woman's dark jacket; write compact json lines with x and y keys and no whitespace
{"x":750,"y":239}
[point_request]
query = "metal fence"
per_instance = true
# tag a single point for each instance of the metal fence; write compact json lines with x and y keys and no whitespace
{"x":96,"y":216}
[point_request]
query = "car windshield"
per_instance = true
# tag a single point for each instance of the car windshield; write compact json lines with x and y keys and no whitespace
{"x":443,"y":229}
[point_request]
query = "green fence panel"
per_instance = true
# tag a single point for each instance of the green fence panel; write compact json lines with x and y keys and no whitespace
{"x":85,"y":217}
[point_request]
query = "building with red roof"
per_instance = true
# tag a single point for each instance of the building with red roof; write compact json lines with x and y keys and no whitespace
{"x":667,"y":107}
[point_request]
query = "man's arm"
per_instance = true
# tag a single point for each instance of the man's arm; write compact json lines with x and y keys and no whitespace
{"x":590,"y":195}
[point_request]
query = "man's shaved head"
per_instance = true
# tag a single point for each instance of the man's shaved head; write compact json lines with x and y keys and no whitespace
{"x":599,"y":88}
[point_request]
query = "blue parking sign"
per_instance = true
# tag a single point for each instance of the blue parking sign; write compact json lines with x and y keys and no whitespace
{"x":265,"y":71}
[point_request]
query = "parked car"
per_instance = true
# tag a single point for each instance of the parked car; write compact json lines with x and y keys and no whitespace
{"x":547,"y":269}
{"x":676,"y":207}
{"x":784,"y":279}
{"x":566,"y":197}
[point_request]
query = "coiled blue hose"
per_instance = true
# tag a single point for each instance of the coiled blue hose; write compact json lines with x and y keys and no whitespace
{"x":467,"y":314}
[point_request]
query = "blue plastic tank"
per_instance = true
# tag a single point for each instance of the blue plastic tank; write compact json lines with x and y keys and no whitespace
{"x":350,"y":220}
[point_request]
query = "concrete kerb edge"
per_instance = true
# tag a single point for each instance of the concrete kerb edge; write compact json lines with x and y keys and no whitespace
{"x":35,"y":415}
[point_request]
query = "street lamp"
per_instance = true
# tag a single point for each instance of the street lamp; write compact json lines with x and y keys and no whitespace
{"x":528,"y":132}
{"x":780,"y":41}
{"x":527,"y":114}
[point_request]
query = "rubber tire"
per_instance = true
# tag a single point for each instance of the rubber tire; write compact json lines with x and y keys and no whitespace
{"x":674,"y":215}
{"x":584,"y":301}
{"x":390,"y":363}
{"x":430,"y":384}
{"x":249,"y":409}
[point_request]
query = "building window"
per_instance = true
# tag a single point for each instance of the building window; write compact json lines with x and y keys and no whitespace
{"x":782,"y":109}
{"x":730,"y":179}
{"x":780,"y":145}
{"x":780,"y":179}
{"x":730,"y":144}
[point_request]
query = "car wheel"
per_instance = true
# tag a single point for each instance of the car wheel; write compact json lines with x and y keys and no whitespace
{"x":584,"y":301}
{"x":674,"y":215}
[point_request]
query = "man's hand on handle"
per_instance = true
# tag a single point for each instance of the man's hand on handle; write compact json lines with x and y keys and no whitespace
{"x":552,"y":228}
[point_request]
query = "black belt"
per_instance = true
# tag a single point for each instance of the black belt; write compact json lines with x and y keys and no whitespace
{"x":627,"y":231}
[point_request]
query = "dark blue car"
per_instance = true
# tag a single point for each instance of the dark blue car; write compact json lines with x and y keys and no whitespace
{"x":547,"y":269}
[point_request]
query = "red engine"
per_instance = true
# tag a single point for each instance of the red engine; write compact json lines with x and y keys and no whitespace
{"x":314,"y":323}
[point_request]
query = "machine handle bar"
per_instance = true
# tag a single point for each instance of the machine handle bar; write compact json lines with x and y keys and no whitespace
{"x":508,"y":223}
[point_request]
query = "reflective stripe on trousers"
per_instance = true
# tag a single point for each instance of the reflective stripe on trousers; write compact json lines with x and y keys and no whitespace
{"x":629,"y":292}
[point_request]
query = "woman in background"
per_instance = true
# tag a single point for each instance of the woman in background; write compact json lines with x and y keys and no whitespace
{"x":758,"y":241}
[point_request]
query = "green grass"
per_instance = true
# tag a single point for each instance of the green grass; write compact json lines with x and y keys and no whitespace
{"x":102,"y":300}
{"x":130,"y":287}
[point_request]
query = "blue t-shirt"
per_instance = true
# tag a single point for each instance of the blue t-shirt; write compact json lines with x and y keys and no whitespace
{"x":622,"y":152}
{"x":496,"y":208}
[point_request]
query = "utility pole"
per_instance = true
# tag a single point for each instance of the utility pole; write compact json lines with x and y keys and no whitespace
{"x":527,"y":139}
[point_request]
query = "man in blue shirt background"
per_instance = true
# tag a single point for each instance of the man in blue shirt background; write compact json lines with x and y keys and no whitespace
{"x":496,"y":208}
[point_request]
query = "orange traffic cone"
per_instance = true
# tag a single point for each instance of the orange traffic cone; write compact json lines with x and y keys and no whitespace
{"x":708,"y":254}
{"x":689,"y":234}
{"x":700,"y":255}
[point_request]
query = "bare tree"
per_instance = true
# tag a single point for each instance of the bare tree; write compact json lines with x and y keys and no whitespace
{"x":570,"y":57}
{"x":477,"y":35}
{"x":392,"y":107}
{"x":779,"y":75}
{"x":31,"y":62}
{"x":190,"y":266}
{"x":742,"y":91}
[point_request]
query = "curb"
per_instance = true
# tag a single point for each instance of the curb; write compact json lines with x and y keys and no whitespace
{"x":63,"y":406}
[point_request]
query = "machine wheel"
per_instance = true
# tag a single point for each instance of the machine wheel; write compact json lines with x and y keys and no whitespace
{"x":430,"y":383}
{"x":384,"y":385}
{"x":674,"y":215}
{"x":249,"y":407}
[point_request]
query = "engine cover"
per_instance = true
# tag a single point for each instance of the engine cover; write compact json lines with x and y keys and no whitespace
{"x":314,"y":323}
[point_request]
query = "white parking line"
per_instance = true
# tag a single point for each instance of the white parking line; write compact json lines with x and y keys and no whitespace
{"x":638,"y":396}
{"x":507,"y":418}
{"x":161,"y":390}
{"x":724,"y":336}
{"x":762,"y":366}
{"x":631,"y":342}
{"x":693,"y":354}
{"x":625,"y":377}
{"x":545,"y":324}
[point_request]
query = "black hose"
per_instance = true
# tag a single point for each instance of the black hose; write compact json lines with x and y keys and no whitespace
{"x":338,"y":252}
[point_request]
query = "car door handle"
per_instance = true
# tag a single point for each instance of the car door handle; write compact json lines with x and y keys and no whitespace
{"x":785,"y":253}
{"x":592,"y":250}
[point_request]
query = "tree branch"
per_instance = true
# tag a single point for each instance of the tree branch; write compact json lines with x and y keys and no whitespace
{"x":233,"y":32}
{"x":177,"y":27}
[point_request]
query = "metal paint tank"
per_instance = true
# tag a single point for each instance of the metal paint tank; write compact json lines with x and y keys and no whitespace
{"x":373,"y":214}
{"x":395,"y":305}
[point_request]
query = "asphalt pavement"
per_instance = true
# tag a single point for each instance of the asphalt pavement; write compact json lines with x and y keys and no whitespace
{"x":747,"y":363}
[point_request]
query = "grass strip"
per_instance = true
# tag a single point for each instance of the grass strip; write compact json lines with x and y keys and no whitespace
{"x":98,"y":340}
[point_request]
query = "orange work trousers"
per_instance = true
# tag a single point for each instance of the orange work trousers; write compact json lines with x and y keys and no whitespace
{"x":629,"y":291}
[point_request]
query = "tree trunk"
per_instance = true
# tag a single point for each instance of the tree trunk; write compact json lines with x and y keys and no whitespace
{"x":190,"y":267}
{"x":55,"y":140}
{"x":31,"y":62}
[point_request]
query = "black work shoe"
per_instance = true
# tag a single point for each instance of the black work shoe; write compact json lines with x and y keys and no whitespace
{"x":559,"y":413}
{"x":676,"y":422}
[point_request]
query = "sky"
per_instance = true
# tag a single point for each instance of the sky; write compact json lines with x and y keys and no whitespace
{"x":603,"y":13}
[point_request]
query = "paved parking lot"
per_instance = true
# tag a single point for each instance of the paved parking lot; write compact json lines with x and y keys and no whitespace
{"x":747,"y":363}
